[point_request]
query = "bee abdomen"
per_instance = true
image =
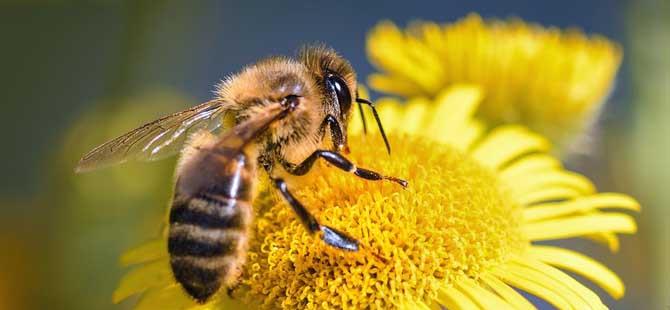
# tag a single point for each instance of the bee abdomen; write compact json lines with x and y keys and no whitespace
{"x":207,"y":242}
{"x":209,"y":211}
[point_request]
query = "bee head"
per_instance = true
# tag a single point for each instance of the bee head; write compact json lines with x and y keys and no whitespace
{"x":336,"y":80}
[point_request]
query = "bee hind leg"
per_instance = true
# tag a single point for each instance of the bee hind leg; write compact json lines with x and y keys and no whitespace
{"x":329,"y":235}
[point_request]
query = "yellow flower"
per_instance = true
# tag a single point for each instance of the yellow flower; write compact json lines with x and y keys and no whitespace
{"x":550,"y":80}
{"x":461,"y":235}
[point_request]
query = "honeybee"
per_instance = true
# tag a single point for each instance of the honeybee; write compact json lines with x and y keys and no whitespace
{"x":281,"y":115}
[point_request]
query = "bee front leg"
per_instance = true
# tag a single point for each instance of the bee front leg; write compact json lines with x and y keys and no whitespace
{"x":339,"y":161}
{"x":329,"y":235}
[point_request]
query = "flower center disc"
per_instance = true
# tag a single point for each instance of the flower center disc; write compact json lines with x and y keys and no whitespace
{"x":454,"y":219}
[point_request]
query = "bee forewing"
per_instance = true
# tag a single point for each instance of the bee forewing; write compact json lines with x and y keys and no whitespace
{"x":243,"y":133}
{"x":155,"y":140}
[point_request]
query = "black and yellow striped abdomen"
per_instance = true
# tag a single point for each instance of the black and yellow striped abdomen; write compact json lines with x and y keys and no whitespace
{"x":209,"y":224}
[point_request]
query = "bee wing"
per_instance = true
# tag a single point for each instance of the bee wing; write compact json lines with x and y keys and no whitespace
{"x":237,"y":137}
{"x":155,"y":140}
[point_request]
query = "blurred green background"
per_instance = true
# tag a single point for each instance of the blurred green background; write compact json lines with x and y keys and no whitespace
{"x":75,"y":73}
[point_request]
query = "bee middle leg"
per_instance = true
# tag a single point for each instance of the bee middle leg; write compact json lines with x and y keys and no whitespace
{"x":329,"y":235}
{"x":339,"y":161}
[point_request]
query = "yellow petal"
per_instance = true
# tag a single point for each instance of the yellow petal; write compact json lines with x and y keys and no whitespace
{"x":578,"y":226}
{"x":173,"y":297}
{"x":390,"y":112}
{"x":452,"y":298}
{"x":471,"y":131}
{"x":484,"y":298}
{"x":411,"y":305}
{"x":146,"y":252}
{"x":505,"y":143}
{"x":355,"y":125}
{"x":581,"y":265}
{"x":610,"y":240}
{"x":509,"y":294}
{"x":548,"y":179}
{"x":454,"y":105}
{"x":392,"y":85}
{"x":381,"y":51}
{"x":531,"y":286}
{"x":547,"y":194}
{"x":578,"y":205}
{"x":144,"y":277}
{"x":531,"y":164}
{"x":548,"y":281}
{"x":398,"y":62}
{"x":560,"y":277}
{"x":413,"y":116}
{"x":165,"y":297}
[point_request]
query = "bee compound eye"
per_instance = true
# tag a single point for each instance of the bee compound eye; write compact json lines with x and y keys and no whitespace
{"x":339,"y":91}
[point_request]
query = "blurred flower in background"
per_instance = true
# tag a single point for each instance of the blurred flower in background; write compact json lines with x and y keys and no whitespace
{"x":551,"y":80}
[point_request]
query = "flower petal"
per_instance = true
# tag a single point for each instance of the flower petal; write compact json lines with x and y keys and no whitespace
{"x":392,"y":85}
{"x":471,"y":132}
{"x":452,"y":298}
{"x":173,"y":297}
{"x":454,"y":105}
{"x":579,"y":205}
{"x":509,"y":294}
{"x":608,"y":239}
{"x":583,"y":292}
{"x":413,"y":116}
{"x":582,"y":265}
{"x":533,"y":287}
{"x":146,"y":252}
{"x":552,"y":178}
{"x":165,"y":297}
{"x":141,"y":278}
{"x":547,"y":194}
{"x":548,"y":282}
{"x":484,"y":298}
{"x":578,"y":226}
{"x":530,"y":164}
{"x":390,"y":112}
{"x":505,"y":143}
{"x":411,"y":305}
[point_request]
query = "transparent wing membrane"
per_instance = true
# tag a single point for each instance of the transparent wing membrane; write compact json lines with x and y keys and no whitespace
{"x":155,"y":140}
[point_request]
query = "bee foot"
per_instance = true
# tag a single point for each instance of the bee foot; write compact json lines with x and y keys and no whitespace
{"x":338,"y":239}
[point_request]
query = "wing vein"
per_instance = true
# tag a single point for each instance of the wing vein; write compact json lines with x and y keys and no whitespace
{"x":157,"y":139}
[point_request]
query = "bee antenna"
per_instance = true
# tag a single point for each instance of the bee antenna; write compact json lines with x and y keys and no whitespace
{"x":379,"y":122}
{"x":360,"y":109}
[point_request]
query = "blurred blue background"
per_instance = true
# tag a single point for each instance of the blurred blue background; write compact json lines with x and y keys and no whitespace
{"x":76,"y":73}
